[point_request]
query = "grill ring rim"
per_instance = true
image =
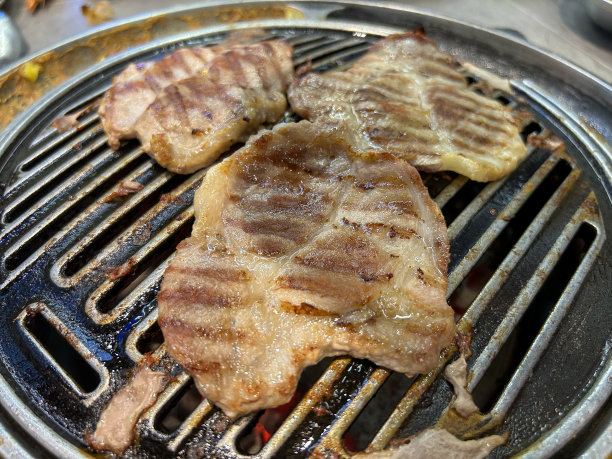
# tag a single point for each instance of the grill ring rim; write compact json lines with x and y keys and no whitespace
{"x":14,"y":405}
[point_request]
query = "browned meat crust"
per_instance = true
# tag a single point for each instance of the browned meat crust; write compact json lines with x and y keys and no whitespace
{"x":406,"y":97}
{"x":137,"y":86}
{"x":192,"y":122}
{"x":192,"y":105}
{"x":301,"y":249}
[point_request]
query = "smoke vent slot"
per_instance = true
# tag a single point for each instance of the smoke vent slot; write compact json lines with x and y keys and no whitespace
{"x":178,"y":408}
{"x":150,"y":340}
{"x":376,"y":412}
{"x":267,"y":422}
{"x":62,"y":353}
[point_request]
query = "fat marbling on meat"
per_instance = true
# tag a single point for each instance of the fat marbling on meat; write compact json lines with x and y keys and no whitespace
{"x":303,"y":248}
{"x":405,"y":97}
{"x":191,"y":106}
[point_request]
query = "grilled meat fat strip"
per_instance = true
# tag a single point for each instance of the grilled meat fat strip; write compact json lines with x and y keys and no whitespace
{"x":302,"y":249}
{"x":407,"y":98}
{"x":193,"y":121}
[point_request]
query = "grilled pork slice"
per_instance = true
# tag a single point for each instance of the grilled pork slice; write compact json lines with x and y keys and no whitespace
{"x":264,"y":65}
{"x":302,"y":249}
{"x":405,"y":97}
{"x":193,"y":121}
{"x":137,"y":86}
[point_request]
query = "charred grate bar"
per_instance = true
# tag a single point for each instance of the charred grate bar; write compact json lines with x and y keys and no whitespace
{"x":94,"y":261}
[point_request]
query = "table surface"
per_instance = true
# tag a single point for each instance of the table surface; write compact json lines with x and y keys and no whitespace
{"x":562,"y":27}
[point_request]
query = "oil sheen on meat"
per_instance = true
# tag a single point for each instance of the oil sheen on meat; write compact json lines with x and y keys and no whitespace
{"x":406,"y":97}
{"x":194,"y":104}
{"x":302,"y":249}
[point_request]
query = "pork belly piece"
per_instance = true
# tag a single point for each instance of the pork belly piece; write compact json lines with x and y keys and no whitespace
{"x":191,"y":122}
{"x":302,"y":249}
{"x":135,"y":88}
{"x":406,"y":97}
{"x":264,"y":65}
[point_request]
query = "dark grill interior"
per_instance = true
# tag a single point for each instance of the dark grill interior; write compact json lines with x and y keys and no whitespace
{"x":74,"y":251}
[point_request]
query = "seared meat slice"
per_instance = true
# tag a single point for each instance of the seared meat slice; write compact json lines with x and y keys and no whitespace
{"x":264,"y":65}
{"x":405,"y":97}
{"x":136,"y":87}
{"x":303,"y":249}
{"x":193,"y":121}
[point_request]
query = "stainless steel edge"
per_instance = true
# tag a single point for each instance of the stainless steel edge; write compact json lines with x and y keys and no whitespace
{"x":577,"y":419}
{"x":599,"y":149}
{"x":26,"y":418}
{"x":181,"y":9}
{"x":311,"y":12}
{"x":10,"y":448}
{"x":601,"y":153}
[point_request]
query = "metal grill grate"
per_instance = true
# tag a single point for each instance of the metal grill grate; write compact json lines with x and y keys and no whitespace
{"x":90,"y":265}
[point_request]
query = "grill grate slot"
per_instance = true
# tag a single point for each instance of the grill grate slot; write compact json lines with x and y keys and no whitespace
{"x":137,"y":206}
{"x":166,"y":408}
{"x":266,"y":423}
{"x":150,"y":340}
{"x":340,"y":59}
{"x":51,"y":135}
{"x":62,"y":145}
{"x":326,"y":49}
{"x":471,"y":285}
{"x":156,"y":205}
{"x":534,"y":287}
{"x":302,"y":41}
{"x":60,"y":178}
{"x":436,"y":183}
{"x":139,"y":267}
{"x":92,"y":167}
{"x":500,"y":210}
{"x":450,"y":190}
{"x":63,"y":149}
{"x":68,"y":212}
{"x":533,"y":127}
{"x":461,"y":200}
{"x":63,"y":352}
{"x":178,"y":408}
{"x":368,"y":422}
{"x":500,"y":370}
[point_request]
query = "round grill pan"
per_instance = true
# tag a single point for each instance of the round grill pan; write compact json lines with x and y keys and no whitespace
{"x":529,"y":271}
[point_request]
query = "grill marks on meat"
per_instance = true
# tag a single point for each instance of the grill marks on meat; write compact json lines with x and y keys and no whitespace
{"x":137,"y":86}
{"x":194,"y":104}
{"x":302,"y":249}
{"x":406,"y":97}
{"x":192,"y":122}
